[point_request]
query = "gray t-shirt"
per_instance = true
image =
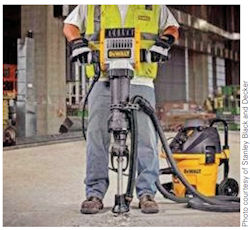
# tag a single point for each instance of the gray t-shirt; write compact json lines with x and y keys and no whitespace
{"x":78,"y":16}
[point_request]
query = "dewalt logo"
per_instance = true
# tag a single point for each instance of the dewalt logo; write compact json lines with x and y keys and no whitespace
{"x":192,"y":171}
{"x":119,"y":53}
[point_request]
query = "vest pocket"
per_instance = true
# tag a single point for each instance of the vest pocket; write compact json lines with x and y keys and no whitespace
{"x":147,"y":70}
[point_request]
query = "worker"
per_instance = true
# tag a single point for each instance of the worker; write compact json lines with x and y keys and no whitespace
{"x":218,"y":101}
{"x":83,"y":26}
{"x":209,"y":104}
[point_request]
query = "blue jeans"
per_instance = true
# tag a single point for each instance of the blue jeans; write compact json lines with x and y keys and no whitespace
{"x":98,"y":141}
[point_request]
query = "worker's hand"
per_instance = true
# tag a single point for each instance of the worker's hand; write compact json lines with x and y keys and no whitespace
{"x":80,"y":52}
{"x":161,"y":48}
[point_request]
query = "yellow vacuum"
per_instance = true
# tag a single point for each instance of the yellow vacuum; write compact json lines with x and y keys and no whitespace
{"x":198,"y":154}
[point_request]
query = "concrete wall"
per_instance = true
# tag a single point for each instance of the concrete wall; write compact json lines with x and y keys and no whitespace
{"x":49,"y":65}
{"x":171,"y":85}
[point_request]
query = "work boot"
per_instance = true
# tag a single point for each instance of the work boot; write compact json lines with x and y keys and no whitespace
{"x":92,"y":205}
{"x":147,"y":204}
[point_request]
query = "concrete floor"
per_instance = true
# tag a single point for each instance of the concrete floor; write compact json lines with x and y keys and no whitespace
{"x":43,"y":186}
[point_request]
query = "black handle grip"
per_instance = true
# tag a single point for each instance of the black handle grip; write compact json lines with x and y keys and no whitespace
{"x":226,"y":146}
{"x":155,"y":57}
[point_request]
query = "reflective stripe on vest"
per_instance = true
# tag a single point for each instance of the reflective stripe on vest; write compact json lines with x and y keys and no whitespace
{"x":137,"y":16}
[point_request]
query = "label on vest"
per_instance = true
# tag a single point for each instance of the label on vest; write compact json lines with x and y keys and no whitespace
{"x":144,"y":18}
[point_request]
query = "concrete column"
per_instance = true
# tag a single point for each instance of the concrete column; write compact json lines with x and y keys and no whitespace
{"x":198,"y":77}
{"x":49,"y":65}
{"x":55,"y":71}
{"x":26,"y":88}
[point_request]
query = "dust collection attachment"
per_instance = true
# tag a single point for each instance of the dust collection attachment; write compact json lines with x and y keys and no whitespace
{"x":198,"y":154}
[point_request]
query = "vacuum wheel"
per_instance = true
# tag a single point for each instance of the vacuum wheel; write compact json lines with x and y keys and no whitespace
{"x":228,"y":187}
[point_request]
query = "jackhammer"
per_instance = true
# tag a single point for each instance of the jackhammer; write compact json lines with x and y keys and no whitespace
{"x":119,"y":55}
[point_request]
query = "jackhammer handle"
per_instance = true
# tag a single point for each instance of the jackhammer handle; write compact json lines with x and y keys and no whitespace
{"x":149,"y":56}
{"x":145,"y":56}
{"x":87,"y":58}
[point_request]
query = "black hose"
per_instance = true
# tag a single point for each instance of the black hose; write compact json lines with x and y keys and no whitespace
{"x":229,"y":205}
{"x":95,"y":79}
{"x":169,"y":195}
{"x":225,"y":204}
{"x":165,"y":192}
{"x":133,"y":154}
{"x":226,"y":146}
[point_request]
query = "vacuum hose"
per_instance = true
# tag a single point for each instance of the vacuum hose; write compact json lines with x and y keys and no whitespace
{"x":201,"y":202}
{"x":133,"y":155}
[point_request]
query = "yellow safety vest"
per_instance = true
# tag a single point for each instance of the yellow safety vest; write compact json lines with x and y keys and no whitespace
{"x":143,"y":17}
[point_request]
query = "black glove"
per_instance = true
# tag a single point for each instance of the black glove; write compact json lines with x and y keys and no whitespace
{"x":79,"y":50}
{"x":159,"y":51}
{"x":165,"y":41}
